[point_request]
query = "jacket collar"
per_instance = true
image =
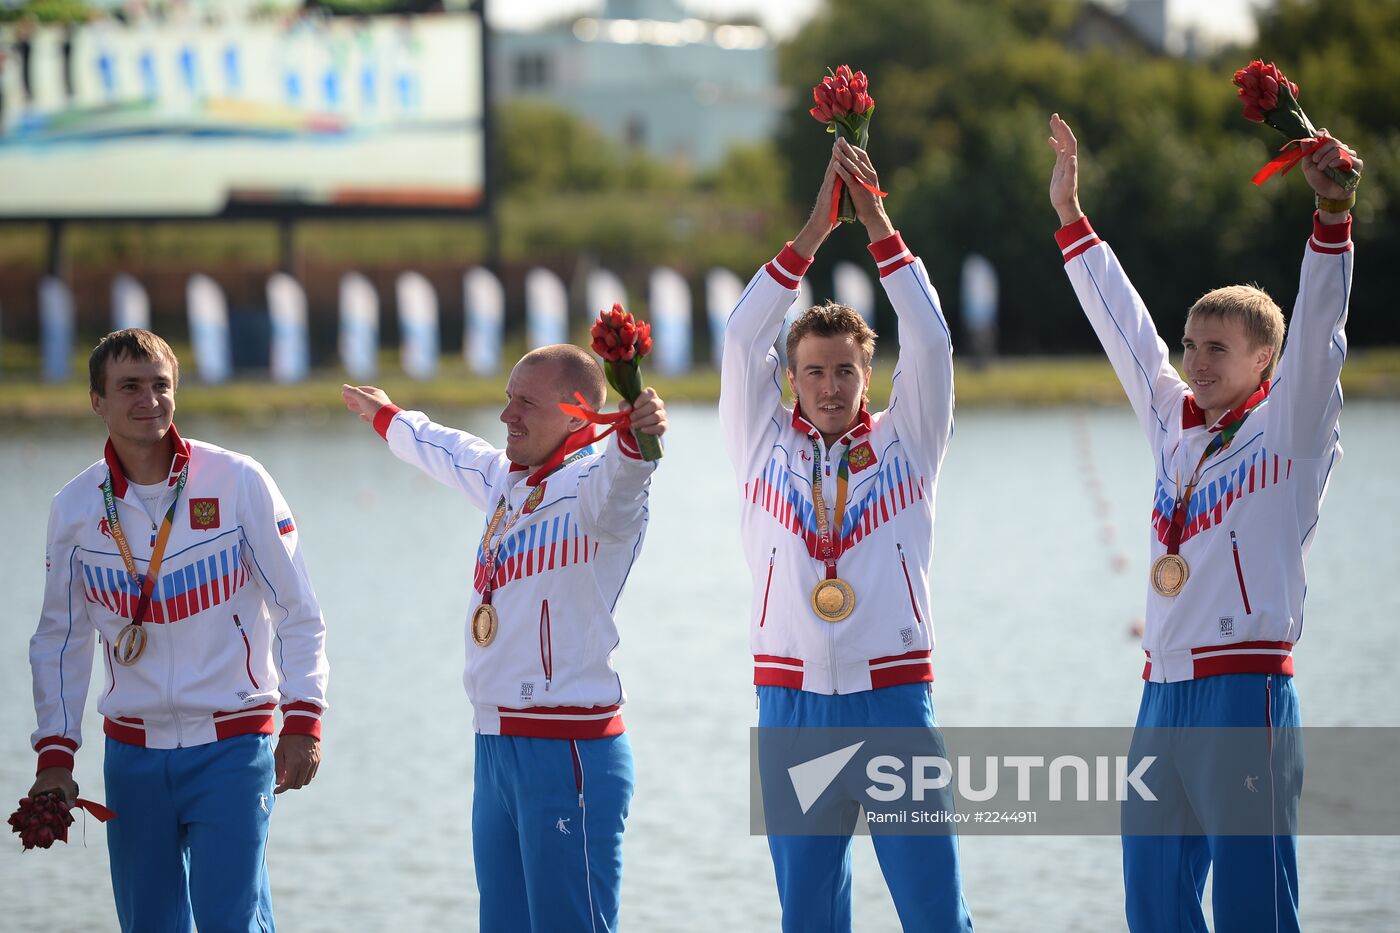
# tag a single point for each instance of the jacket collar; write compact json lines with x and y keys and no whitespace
{"x":177,"y":463}
{"x":576,"y":441}
{"x":1193,"y":416}
{"x":861,"y":427}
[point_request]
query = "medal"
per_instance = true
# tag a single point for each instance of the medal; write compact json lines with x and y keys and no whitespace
{"x":485,"y":619}
{"x":131,"y":640}
{"x":484,"y":624}
{"x":833,"y":599}
{"x":1169,"y":573}
{"x":130,"y":643}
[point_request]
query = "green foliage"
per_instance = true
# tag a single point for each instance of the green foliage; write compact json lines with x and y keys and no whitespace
{"x":48,"y":11}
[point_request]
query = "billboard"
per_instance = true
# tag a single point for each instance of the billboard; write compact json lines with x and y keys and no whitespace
{"x":241,"y":110}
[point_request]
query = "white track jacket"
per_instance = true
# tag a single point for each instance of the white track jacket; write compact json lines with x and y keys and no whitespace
{"x":234,"y":628}
{"x":1252,"y":515}
{"x":559,"y":573}
{"x":886,"y":534}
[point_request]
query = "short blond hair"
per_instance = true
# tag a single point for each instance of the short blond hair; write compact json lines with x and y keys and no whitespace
{"x":831,"y":320}
{"x":1251,"y":306}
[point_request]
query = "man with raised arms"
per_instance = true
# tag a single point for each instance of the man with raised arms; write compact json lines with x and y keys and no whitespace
{"x":837,"y":526}
{"x":184,"y":561}
{"x":565,"y":521}
{"x":1243,"y":443}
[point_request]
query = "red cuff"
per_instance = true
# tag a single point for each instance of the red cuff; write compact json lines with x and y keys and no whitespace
{"x":788,"y":268}
{"x":383,"y":417}
{"x":1075,"y":238}
{"x":1330,"y":238}
{"x":55,"y":752}
{"x":627,"y":443}
{"x":891,"y":254}
{"x":301,"y":718}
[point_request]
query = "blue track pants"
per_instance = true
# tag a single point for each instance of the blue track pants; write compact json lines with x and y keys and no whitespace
{"x":1255,"y":877}
{"x":547,"y":821}
{"x":187,"y":846}
{"x":814,"y":872}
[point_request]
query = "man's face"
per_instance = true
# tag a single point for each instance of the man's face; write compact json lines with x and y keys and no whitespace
{"x":535,"y":427}
{"x":829,"y":377}
{"x":1221,"y":364}
{"x":139,"y":404}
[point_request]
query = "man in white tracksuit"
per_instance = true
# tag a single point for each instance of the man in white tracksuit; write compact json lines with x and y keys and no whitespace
{"x":566,"y":517}
{"x":1243,"y":443}
{"x":184,"y":561}
{"x":837,"y":526}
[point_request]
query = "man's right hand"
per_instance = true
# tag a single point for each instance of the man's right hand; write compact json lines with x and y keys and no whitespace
{"x":364,"y":401}
{"x":56,"y":779}
{"x":1064,"y":180}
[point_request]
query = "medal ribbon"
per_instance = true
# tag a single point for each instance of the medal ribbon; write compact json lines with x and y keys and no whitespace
{"x":488,"y":553}
{"x":1183,"y":501}
{"x":826,"y":535}
{"x":148,"y":582}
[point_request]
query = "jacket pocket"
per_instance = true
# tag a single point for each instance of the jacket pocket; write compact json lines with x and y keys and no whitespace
{"x":1239,"y":571}
{"x":546,"y":645}
{"x":908,"y":582}
{"x":772,"y":555}
{"x":247,"y":652}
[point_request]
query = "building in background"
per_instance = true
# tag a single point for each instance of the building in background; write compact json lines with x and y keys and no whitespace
{"x":650,"y":74}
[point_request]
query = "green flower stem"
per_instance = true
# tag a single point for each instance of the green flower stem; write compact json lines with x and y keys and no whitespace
{"x":625,"y":376}
{"x":1290,"y":120}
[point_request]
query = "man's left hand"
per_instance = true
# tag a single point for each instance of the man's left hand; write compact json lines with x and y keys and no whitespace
{"x":648,"y":413}
{"x":297,"y":758}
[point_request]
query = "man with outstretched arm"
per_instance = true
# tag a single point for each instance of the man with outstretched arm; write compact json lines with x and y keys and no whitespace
{"x":566,"y":516}
{"x":184,"y":561}
{"x":1244,"y":443}
{"x":837,"y":526}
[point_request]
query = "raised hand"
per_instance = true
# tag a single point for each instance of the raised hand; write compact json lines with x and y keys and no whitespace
{"x":1064,"y":179}
{"x":1329,"y":155}
{"x":364,"y":401}
{"x":857,"y":172}
{"x":648,"y":413}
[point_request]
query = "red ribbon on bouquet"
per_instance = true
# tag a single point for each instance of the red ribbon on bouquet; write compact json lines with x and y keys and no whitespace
{"x":1293,"y":152}
{"x":44,"y":819}
{"x":836,"y":197}
{"x":618,"y":420}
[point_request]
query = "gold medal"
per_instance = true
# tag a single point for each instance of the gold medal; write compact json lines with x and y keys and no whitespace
{"x":129,"y":646}
{"x":1169,"y":573}
{"x":833,"y":599}
{"x":484,"y":624}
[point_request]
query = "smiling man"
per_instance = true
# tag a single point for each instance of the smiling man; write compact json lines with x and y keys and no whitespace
{"x":183,"y":560}
{"x":565,"y":521}
{"x":1244,"y":443}
{"x":837,"y":527}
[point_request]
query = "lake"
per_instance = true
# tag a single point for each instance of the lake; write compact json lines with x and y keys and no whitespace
{"x":1033,"y":622}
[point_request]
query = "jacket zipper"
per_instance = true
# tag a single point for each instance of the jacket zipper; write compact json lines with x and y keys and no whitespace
{"x":772,"y":555}
{"x":1269,"y":709}
{"x":909,"y":583}
{"x":578,"y":769}
{"x":1239,"y":571}
{"x":546,"y":645}
{"x":247,"y":653}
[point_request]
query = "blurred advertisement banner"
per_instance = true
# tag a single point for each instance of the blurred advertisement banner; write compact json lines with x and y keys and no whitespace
{"x":224,"y":115}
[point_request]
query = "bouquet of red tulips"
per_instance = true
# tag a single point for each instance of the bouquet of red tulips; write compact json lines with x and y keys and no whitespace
{"x":622,"y":340}
{"x":844,"y":104}
{"x":1269,"y":97}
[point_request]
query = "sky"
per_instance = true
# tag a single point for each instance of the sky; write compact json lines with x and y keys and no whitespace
{"x":1218,"y":19}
